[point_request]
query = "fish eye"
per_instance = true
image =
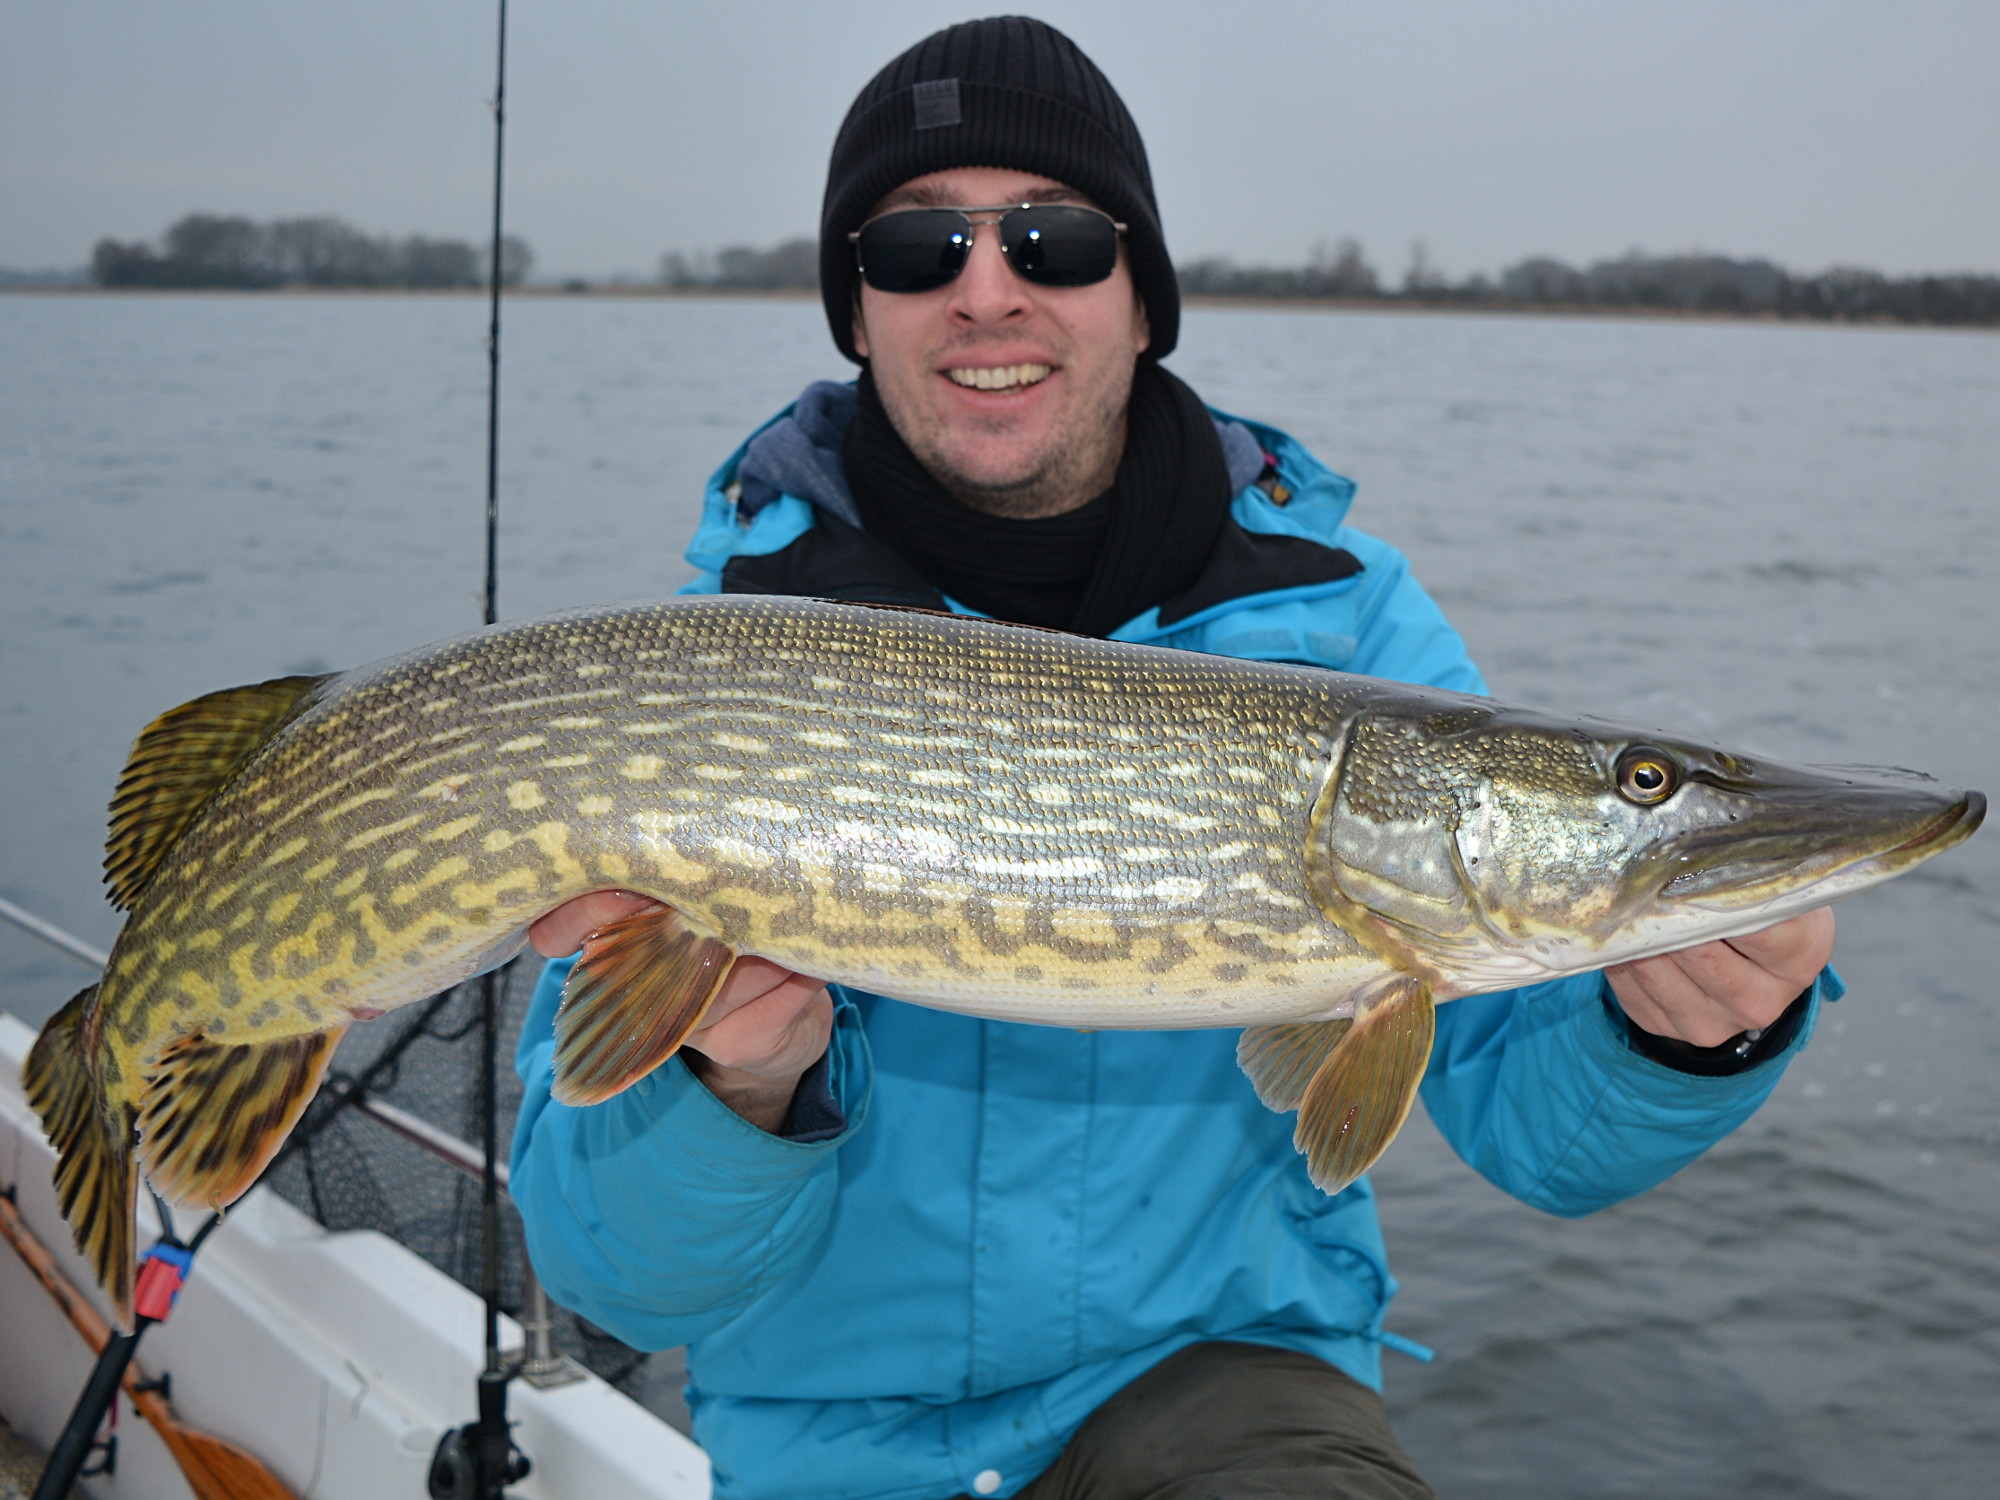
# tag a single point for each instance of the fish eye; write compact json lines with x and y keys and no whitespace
{"x":1646,"y":776}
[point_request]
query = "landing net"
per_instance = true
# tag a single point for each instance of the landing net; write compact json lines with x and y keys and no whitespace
{"x":353,"y":1173}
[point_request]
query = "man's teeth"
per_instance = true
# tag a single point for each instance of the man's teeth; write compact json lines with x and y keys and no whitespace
{"x":1003,"y":378}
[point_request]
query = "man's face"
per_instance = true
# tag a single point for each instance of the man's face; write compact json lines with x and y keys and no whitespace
{"x":1047,"y":438}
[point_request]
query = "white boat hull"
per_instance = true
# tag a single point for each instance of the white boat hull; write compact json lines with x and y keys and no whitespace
{"x":337,"y":1359}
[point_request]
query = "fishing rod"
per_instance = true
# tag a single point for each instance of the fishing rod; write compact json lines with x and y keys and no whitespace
{"x":479,"y":1460}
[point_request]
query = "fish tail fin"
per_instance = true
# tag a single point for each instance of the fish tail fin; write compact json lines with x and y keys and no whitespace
{"x":95,"y":1182}
{"x":215,"y":1113}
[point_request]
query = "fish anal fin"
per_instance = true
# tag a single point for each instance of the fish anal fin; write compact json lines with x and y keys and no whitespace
{"x":1281,"y":1060}
{"x":1362,"y":1093}
{"x":641,"y":985}
{"x":215,"y":1113}
{"x":178,"y":763}
{"x":96,"y":1186}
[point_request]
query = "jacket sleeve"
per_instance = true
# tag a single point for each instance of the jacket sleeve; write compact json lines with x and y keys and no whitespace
{"x":1540,"y":1093}
{"x":660,"y":1214}
{"x":1538,"y":1088}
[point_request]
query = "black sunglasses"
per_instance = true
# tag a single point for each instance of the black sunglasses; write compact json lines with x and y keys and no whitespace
{"x":1050,"y":244}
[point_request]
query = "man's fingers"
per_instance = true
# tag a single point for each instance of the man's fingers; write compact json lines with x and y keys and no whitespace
{"x":759,"y":982}
{"x":766,"y":1018}
{"x":1711,"y":992}
{"x":559,"y":933}
{"x":1793,"y":950}
{"x":1663,"y":997}
{"x":771,"y":1022}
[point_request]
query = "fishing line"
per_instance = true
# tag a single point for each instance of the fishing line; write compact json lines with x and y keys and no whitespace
{"x":372,"y":460}
{"x":397,"y":363}
{"x":444,"y":171}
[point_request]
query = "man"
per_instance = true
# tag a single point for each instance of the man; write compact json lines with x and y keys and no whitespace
{"x":921,"y":1255}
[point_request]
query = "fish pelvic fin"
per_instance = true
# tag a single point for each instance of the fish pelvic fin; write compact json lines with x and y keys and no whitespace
{"x":1281,"y":1060}
{"x":1360,"y":1095}
{"x":641,"y":985}
{"x":178,"y":763}
{"x":215,"y":1113}
{"x":92,"y":1133}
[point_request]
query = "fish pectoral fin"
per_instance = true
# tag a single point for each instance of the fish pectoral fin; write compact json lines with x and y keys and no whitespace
{"x":1281,"y":1060}
{"x":178,"y":763}
{"x":215,"y":1113}
{"x":1361,"y":1094}
{"x":95,"y":1184}
{"x":641,"y":985}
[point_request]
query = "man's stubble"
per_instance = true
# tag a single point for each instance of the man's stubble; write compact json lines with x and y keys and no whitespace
{"x":1077,"y":461}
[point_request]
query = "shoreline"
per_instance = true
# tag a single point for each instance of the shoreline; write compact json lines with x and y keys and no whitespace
{"x":1370,"y":305}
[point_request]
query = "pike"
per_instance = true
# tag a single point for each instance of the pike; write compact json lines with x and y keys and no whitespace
{"x":990,"y":819}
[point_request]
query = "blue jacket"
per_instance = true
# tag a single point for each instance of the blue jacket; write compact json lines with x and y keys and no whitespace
{"x":1007,"y":1223}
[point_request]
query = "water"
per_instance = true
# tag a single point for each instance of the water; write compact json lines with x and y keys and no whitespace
{"x":1781,"y":536}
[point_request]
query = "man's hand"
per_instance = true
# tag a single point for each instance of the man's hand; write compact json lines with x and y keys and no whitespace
{"x":765,"y":1029}
{"x":1705,"y":995}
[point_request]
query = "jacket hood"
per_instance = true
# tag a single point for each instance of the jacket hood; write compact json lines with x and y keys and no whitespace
{"x":778,"y":517}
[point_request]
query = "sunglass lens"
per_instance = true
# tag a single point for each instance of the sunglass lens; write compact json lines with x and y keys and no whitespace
{"x":1055,"y":245}
{"x":914,"y":251}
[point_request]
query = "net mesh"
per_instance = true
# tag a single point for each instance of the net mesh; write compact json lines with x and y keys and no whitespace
{"x":349,"y":1172}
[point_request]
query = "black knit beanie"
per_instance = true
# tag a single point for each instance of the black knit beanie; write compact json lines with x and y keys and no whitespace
{"x":1004,"y":92}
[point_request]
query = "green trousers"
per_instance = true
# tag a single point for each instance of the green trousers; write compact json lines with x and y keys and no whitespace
{"x":1235,"y":1422}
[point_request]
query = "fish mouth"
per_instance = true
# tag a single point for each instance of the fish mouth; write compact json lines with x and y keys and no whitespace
{"x":1963,"y":820}
{"x":1763,"y":869}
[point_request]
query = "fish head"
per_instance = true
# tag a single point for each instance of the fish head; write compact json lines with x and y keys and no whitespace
{"x":1484,"y":847}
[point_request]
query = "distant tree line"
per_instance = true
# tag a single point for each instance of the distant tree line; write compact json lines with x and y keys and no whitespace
{"x":1336,"y":268}
{"x":1340,"y":269}
{"x":1684,"y":283}
{"x":791,"y":266}
{"x":214,"y":250}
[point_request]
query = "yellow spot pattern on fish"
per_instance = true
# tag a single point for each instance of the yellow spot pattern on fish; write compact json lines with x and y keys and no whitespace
{"x":386,"y":831}
{"x":436,"y":875}
{"x":199,"y":988}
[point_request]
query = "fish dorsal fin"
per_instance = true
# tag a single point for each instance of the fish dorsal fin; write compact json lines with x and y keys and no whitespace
{"x":643,"y":983}
{"x":178,"y":763}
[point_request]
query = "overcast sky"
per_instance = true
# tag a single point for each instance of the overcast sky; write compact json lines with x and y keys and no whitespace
{"x":1811,"y":131}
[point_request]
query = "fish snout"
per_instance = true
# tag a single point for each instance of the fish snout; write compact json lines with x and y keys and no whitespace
{"x":1820,"y":831}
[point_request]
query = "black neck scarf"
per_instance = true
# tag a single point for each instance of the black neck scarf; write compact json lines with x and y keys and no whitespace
{"x":1088,"y":570}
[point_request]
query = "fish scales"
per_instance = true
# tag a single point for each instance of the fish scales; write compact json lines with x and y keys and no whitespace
{"x":972,"y":817}
{"x":1012,"y":823}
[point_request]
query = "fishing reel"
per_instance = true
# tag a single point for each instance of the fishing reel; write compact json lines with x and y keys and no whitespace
{"x":479,"y":1460}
